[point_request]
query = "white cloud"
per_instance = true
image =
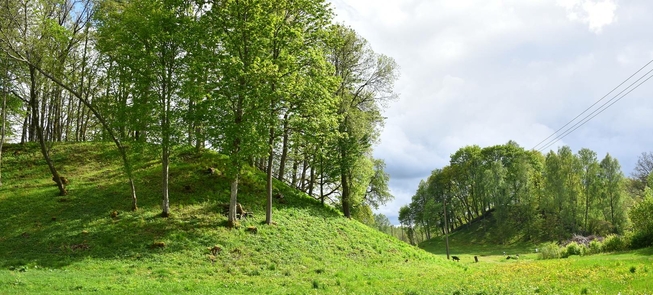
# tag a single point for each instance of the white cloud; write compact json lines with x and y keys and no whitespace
{"x":596,"y":14}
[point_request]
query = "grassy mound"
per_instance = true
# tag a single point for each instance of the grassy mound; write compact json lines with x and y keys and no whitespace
{"x":89,"y":240}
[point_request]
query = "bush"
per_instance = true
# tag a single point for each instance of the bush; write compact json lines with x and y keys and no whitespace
{"x":550,"y":251}
{"x":573,"y":248}
{"x":594,"y":247}
{"x":640,"y":240}
{"x":640,"y":215}
{"x":613,"y":243}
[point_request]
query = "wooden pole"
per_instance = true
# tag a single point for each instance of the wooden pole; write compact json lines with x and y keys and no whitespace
{"x":446,"y":228}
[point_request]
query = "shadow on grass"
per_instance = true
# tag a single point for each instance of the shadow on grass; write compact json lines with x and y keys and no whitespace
{"x":38,"y":228}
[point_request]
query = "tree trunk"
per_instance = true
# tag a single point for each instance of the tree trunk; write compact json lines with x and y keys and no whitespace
{"x":284,"y":149}
{"x":39,"y":132}
{"x":268,"y":211}
{"x":165,"y":157}
{"x":106,"y":126}
{"x":345,"y":194}
{"x":302,"y":181}
{"x":295,"y":167}
{"x":2,"y":132}
{"x":232,"y":202}
{"x":24,"y":134}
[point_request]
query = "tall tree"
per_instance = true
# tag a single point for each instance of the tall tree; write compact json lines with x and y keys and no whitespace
{"x":238,"y":45}
{"x":589,"y":182}
{"x":148,"y":37}
{"x":612,"y":194}
{"x":366,"y":83}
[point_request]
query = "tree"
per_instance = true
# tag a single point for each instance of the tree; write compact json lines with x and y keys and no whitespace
{"x":382,"y":223}
{"x":589,"y":182}
{"x":612,"y":194}
{"x":642,"y":170}
{"x":295,"y":54}
{"x":366,"y":83}
{"x":406,"y":220}
{"x":640,"y":215}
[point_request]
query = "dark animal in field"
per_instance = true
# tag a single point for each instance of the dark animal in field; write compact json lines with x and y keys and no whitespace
{"x":512,"y":257}
{"x":114,"y":214}
{"x":455,"y":258}
{"x":64,"y":180}
{"x":475,"y":259}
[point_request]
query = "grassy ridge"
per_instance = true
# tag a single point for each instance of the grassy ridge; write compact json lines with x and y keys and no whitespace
{"x":72,"y":244}
{"x":67,"y":243}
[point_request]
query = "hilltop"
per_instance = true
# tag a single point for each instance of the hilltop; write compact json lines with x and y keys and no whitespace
{"x":90,"y":240}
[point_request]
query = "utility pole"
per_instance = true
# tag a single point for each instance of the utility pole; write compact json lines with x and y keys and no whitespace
{"x":446,"y":228}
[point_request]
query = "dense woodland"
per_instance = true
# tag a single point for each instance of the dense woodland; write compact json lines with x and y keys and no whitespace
{"x":527,"y":195}
{"x":273,"y":84}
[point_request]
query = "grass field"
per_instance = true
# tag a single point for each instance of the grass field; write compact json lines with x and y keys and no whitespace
{"x":72,"y":244}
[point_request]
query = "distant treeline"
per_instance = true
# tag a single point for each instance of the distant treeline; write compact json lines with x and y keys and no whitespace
{"x":527,"y":195}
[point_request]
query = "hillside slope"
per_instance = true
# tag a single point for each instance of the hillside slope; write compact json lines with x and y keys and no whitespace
{"x":54,"y":244}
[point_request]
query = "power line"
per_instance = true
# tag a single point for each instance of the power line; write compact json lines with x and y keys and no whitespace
{"x":602,"y":98}
{"x":600,"y":110}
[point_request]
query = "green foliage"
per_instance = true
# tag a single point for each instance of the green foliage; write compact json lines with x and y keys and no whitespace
{"x":573,"y":248}
{"x":613,"y":243}
{"x":595,"y":247}
{"x":550,"y":250}
{"x":640,"y":216}
{"x":526,"y":194}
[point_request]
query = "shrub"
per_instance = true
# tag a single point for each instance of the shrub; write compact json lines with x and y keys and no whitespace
{"x":550,"y":251}
{"x":640,"y":215}
{"x":573,"y":248}
{"x":613,"y":243}
{"x":640,"y":240}
{"x":594,"y":247}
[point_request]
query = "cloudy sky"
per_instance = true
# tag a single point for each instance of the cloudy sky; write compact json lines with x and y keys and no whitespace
{"x":488,"y":71}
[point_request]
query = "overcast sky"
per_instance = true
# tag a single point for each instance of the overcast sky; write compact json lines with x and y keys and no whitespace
{"x":488,"y":71}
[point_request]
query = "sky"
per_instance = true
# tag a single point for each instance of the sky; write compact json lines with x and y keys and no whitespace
{"x":485,"y":72}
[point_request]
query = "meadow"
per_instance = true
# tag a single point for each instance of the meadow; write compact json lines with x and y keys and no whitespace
{"x":77,"y":244}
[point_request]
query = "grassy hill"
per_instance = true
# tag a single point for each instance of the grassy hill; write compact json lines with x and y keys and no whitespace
{"x":73,"y":244}
{"x":477,"y":238}
{"x":53,"y":244}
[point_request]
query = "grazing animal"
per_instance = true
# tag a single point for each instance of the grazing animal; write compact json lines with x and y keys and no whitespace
{"x":455,"y":258}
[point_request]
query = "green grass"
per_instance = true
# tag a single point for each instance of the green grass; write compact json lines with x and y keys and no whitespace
{"x":71,"y":244}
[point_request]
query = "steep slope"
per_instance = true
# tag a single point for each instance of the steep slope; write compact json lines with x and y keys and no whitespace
{"x":89,"y":239}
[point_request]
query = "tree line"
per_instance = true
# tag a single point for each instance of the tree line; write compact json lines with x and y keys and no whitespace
{"x":273,"y":84}
{"x":528,"y":195}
